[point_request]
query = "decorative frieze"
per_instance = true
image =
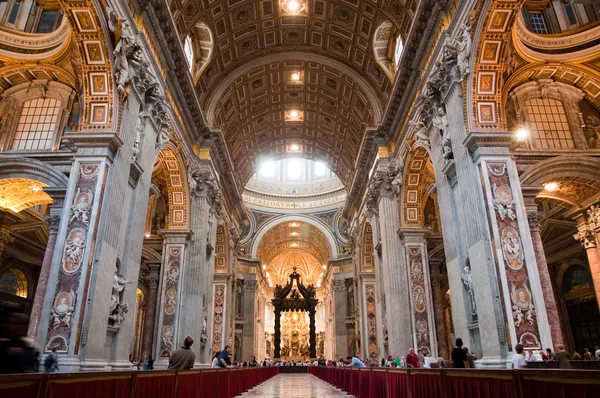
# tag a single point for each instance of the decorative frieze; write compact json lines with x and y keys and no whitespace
{"x":68,"y":285}
{"x":371,"y":303}
{"x":512,"y":262}
{"x":171,"y":292}
{"x":219,"y":290}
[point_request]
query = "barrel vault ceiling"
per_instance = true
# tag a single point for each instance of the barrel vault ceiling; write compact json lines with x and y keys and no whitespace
{"x":248,"y":90}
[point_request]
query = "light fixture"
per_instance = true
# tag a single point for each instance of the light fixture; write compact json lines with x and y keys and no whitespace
{"x":294,"y":225}
{"x":295,"y":76}
{"x":147,"y":235}
{"x":294,"y":245}
{"x":294,"y":147}
{"x":294,"y":114}
{"x":551,"y":187}
{"x":324,"y":266}
{"x":270,"y":285}
{"x":293,"y":5}
{"x":268,"y":274}
{"x":294,"y":233}
{"x":264,"y":266}
{"x":522,"y":134}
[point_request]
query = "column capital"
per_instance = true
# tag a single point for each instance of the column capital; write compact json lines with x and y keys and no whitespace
{"x":535,"y":219}
{"x":174,"y":236}
{"x":338,"y":285}
{"x":414,"y":235}
{"x":586,"y":236}
{"x":386,"y":181}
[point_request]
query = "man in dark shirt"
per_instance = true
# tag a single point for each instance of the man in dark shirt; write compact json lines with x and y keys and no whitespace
{"x":184,"y":357}
{"x":459,"y":357}
{"x":224,"y":361}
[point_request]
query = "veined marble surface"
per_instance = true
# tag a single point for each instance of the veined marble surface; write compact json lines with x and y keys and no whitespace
{"x":295,"y":386}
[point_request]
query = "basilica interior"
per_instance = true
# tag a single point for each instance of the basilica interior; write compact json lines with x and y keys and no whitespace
{"x":414,"y":170}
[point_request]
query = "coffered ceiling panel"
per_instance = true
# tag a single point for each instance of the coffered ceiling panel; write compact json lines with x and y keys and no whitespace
{"x":294,"y":236}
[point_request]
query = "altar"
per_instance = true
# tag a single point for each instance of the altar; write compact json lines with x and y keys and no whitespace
{"x":295,"y":336}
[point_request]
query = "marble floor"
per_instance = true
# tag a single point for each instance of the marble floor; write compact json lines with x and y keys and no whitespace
{"x":295,"y":386}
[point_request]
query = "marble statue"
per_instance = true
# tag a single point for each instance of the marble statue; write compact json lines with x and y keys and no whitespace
{"x":467,"y":279}
{"x":62,"y":314}
{"x":80,"y":211}
{"x":74,"y":249}
{"x":464,"y":44}
{"x":118,"y":309}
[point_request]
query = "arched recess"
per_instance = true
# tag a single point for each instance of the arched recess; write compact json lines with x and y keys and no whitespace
{"x":291,"y":218}
{"x":93,"y":63}
{"x":367,"y":248}
{"x":202,"y":48}
{"x":418,"y":178}
{"x":577,"y":177}
{"x":580,"y":76}
{"x":485,"y":86}
{"x":21,"y":167}
{"x":177,"y":187}
{"x":385,"y":48}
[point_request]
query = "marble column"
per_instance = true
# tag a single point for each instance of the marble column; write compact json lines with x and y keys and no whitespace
{"x":534,"y":218}
{"x":53,"y":220}
{"x":438,"y":309}
{"x":341,"y":331}
{"x":419,"y":288}
{"x":588,"y":238}
{"x":170,"y":312}
{"x":150,"y":326}
{"x":249,"y":303}
{"x":383,"y":190}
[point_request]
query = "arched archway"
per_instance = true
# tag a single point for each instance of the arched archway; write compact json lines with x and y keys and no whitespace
{"x":418,"y":178}
{"x":177,"y":187}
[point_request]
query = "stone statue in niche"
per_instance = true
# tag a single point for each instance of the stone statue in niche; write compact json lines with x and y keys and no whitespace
{"x":467,"y":279}
{"x":160,"y":214}
{"x":421,"y":133}
{"x":139,"y":129}
{"x":127,"y":51}
{"x":118,"y":308}
{"x":204,"y":336}
{"x":447,"y":152}
{"x":440,"y":119}
{"x":463,"y":44}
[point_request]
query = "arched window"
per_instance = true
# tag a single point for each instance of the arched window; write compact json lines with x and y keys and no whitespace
{"x":37,"y":125}
{"x":549,"y":124}
{"x":398,"y":52}
{"x":189,"y":52}
{"x":14,"y":282}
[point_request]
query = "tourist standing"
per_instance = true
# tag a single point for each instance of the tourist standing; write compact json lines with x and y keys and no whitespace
{"x":412,"y":360}
{"x":51,"y":362}
{"x":519,"y":361}
{"x":459,"y":357}
{"x":224,"y":361}
{"x":587,"y":355}
{"x":184,"y":357}
{"x":563,"y":358}
{"x":597,"y":353}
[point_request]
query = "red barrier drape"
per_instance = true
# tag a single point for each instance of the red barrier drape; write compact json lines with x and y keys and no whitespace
{"x":378,"y":383}
{"x":91,"y":388}
{"x":26,"y":389}
{"x":478,"y":387}
{"x":426,"y":385}
{"x":209,"y":383}
{"x":538,"y":389}
{"x":189,"y":385}
{"x":365,"y":381}
{"x":397,"y":385}
{"x":154,"y":386}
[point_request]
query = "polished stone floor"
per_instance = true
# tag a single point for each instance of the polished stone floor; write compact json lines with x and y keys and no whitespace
{"x":295,"y":386}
